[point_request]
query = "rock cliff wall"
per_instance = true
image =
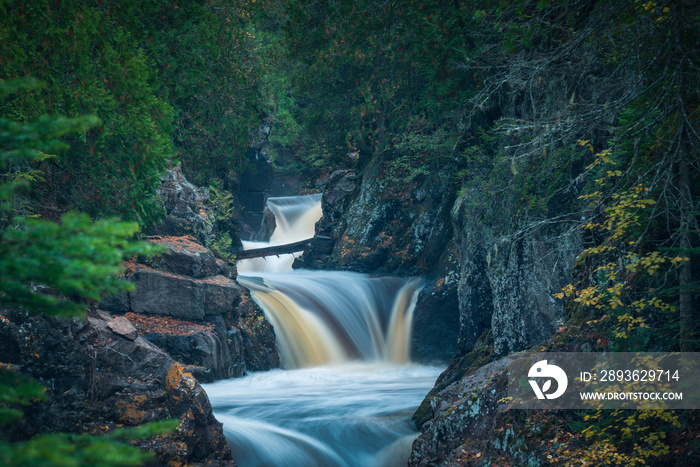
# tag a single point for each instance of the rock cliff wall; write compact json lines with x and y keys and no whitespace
{"x":476,"y":279}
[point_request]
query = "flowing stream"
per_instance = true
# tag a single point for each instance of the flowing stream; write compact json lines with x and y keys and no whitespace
{"x":348,"y":388}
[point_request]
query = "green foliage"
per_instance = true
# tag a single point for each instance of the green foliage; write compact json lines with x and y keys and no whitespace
{"x":169,"y":80}
{"x":16,"y":390}
{"x":73,"y":258}
{"x":92,"y":63}
{"x":69,"y":450}
{"x":275,"y":70}
{"x":209,"y":67}
{"x":404,"y":80}
{"x":620,"y":437}
{"x":220,"y":245}
{"x":220,"y":202}
{"x":52,"y":267}
{"x":623,"y":296}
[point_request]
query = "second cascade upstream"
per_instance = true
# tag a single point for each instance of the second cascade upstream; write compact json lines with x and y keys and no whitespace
{"x":347,"y":391}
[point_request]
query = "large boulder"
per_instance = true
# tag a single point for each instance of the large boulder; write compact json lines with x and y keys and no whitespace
{"x":166,"y":293}
{"x":203,"y":347}
{"x":100,"y":376}
{"x":183,"y":255}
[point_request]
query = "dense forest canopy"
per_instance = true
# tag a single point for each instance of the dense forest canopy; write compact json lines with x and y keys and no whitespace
{"x":582,"y":114}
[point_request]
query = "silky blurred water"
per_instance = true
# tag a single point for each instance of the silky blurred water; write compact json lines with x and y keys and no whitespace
{"x":348,"y":390}
{"x":353,"y":414}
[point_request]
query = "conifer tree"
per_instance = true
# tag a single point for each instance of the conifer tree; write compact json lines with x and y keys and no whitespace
{"x":52,"y":268}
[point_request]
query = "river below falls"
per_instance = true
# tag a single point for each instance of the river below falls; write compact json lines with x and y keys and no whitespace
{"x":352,"y":414}
{"x":348,"y":389}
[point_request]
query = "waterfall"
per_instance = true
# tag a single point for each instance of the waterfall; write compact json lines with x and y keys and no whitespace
{"x":323,"y":317}
{"x":296,"y":218}
{"x":348,"y":387}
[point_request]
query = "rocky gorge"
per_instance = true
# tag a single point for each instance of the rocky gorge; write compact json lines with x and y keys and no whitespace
{"x":469,"y":181}
{"x":141,"y":356}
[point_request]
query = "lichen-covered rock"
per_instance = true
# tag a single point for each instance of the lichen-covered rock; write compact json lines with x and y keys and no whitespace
{"x":98,"y":380}
{"x":465,"y":420}
{"x":469,"y":424}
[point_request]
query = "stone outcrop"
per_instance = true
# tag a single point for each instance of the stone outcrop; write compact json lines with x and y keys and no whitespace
{"x":100,"y":376}
{"x":477,"y":278}
{"x":186,"y":302}
{"x":185,"y":213}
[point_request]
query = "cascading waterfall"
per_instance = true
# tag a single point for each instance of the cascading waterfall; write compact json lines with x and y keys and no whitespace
{"x":296,"y":218}
{"x":348,"y":389}
{"x":323,"y":317}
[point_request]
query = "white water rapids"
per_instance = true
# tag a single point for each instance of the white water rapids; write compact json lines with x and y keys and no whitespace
{"x":348,"y":389}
